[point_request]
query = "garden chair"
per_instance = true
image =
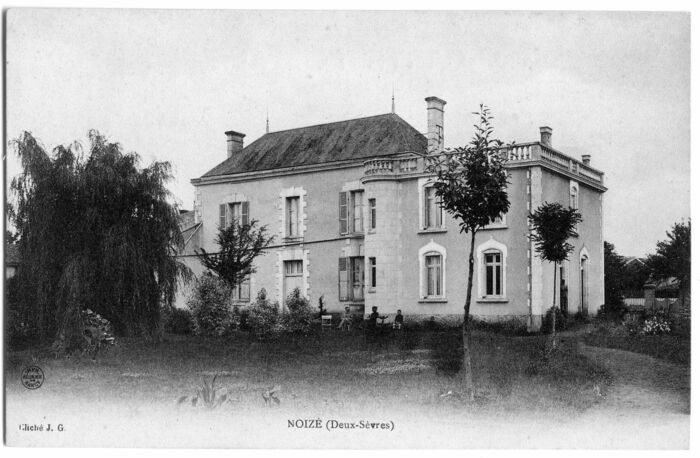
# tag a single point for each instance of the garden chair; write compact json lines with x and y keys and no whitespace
{"x":326,"y":321}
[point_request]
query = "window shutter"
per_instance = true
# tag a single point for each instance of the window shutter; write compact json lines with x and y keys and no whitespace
{"x":244,"y":213}
{"x":222,"y":215}
{"x":343,"y":209}
{"x":426,"y":207}
{"x":343,"y":279}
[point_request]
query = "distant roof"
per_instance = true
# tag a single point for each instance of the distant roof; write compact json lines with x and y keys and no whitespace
{"x":630,"y":259}
{"x":338,"y":141}
{"x":185,"y":219}
{"x":11,"y":254}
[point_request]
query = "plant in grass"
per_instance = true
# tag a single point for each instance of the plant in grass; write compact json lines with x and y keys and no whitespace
{"x":206,"y":396}
{"x":471,"y":183}
{"x":210,"y":306}
{"x":264,"y":316}
{"x":655,"y":325}
{"x":552,"y":225}
{"x":299,"y":315}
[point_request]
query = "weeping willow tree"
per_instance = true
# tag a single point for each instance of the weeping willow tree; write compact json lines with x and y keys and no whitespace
{"x":95,"y":231}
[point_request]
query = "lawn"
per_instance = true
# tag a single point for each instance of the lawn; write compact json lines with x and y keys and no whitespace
{"x":404,"y":371}
{"x":668,"y":347}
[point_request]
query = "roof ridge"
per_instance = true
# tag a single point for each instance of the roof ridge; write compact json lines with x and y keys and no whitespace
{"x":333,"y":122}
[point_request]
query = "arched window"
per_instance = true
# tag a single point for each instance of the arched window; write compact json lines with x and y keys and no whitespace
{"x":573,"y":195}
{"x":493,"y":270}
{"x":432,"y":272}
{"x":491,"y":257}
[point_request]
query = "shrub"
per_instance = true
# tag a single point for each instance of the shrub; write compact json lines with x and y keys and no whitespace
{"x":561,"y":322}
{"x":209,"y":303}
{"x":263,"y":316}
{"x":299,"y":314}
{"x":177,"y":321}
{"x":612,"y":311}
{"x":655,"y":325}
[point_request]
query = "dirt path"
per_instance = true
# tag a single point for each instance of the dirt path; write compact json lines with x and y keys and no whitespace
{"x":647,"y":405}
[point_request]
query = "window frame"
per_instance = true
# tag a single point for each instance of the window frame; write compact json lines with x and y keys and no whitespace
{"x":439,"y":294}
{"x":489,"y":247}
{"x":372,"y":274}
{"x":437,"y":277}
{"x":291,"y":221}
{"x":372,"y":204}
{"x":238,"y":290}
{"x":496,"y":266}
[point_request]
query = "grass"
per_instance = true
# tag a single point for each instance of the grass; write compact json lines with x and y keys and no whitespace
{"x":413,"y":370}
{"x":668,"y":347}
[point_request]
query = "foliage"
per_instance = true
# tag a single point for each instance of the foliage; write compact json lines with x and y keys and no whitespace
{"x":177,"y":321}
{"x":655,"y":325}
{"x":634,"y":276}
{"x":95,"y":230}
{"x":299,"y":315}
{"x":561,"y":321}
{"x":95,"y":333}
{"x":672,"y":257}
{"x":239,"y":245}
{"x":614,"y":268}
{"x":10,"y":237}
{"x":264,"y":316}
{"x":210,"y":306}
{"x":552,"y":226}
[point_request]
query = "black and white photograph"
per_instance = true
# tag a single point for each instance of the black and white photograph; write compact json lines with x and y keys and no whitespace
{"x":347,"y":229}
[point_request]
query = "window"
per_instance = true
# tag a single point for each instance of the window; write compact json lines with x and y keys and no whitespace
{"x":492,"y":257}
{"x":494,"y":274}
{"x":293,"y":276}
{"x":573,"y":195}
{"x":233,"y":211}
{"x":372,"y":272}
{"x":350,"y":212}
{"x":241,"y":293}
{"x":351,"y":279}
{"x":292,"y":216}
{"x":432,"y":219}
{"x":433,"y":270}
{"x":372,"y":214}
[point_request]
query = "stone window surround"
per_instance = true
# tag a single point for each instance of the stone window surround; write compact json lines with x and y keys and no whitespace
{"x":291,"y":254}
{"x":491,"y":245}
{"x":299,"y":192}
{"x":423,"y":183}
{"x":430,"y":249}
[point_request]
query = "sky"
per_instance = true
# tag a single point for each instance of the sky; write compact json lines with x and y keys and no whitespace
{"x":168,"y":83}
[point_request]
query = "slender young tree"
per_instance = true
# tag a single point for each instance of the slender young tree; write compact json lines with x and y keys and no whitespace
{"x":471,"y":183}
{"x":239,"y":245}
{"x":95,"y":231}
{"x":552,"y":225}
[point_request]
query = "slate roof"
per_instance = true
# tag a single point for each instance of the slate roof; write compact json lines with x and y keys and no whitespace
{"x":361,"y":138}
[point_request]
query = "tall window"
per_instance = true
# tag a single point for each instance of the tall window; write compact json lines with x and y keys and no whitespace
{"x":233,"y":211}
{"x":292,"y":216}
{"x":573,"y":196}
{"x":372,"y":214}
{"x":493,"y":266}
{"x":433,"y":209}
{"x":241,"y":293}
{"x":350,"y":209}
{"x":351,"y":279}
{"x":372,"y":272}
{"x":293,"y":276}
{"x":433,"y":271}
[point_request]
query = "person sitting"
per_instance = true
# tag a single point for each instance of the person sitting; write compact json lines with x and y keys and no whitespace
{"x":347,"y":319}
{"x":398,"y":320}
{"x":372,"y":321}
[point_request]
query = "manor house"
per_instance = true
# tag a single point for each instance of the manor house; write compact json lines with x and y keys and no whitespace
{"x":356,"y":221}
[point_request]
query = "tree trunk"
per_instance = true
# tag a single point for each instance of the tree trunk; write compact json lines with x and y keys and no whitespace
{"x":554,"y":310}
{"x":466,"y":328}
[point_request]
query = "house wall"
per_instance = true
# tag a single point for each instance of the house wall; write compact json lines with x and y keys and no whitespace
{"x":398,"y":239}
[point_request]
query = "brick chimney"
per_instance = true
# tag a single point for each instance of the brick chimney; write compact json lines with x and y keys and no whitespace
{"x":436,"y":124}
{"x":546,"y":135}
{"x":586,"y":159}
{"x":234,"y":142}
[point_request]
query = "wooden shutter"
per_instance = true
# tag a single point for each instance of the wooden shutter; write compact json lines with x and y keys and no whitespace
{"x":222,"y":215}
{"x":343,"y":210}
{"x":343,"y":279}
{"x":244,"y":213}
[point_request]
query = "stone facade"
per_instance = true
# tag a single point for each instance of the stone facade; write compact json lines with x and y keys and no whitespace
{"x":403,"y":252}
